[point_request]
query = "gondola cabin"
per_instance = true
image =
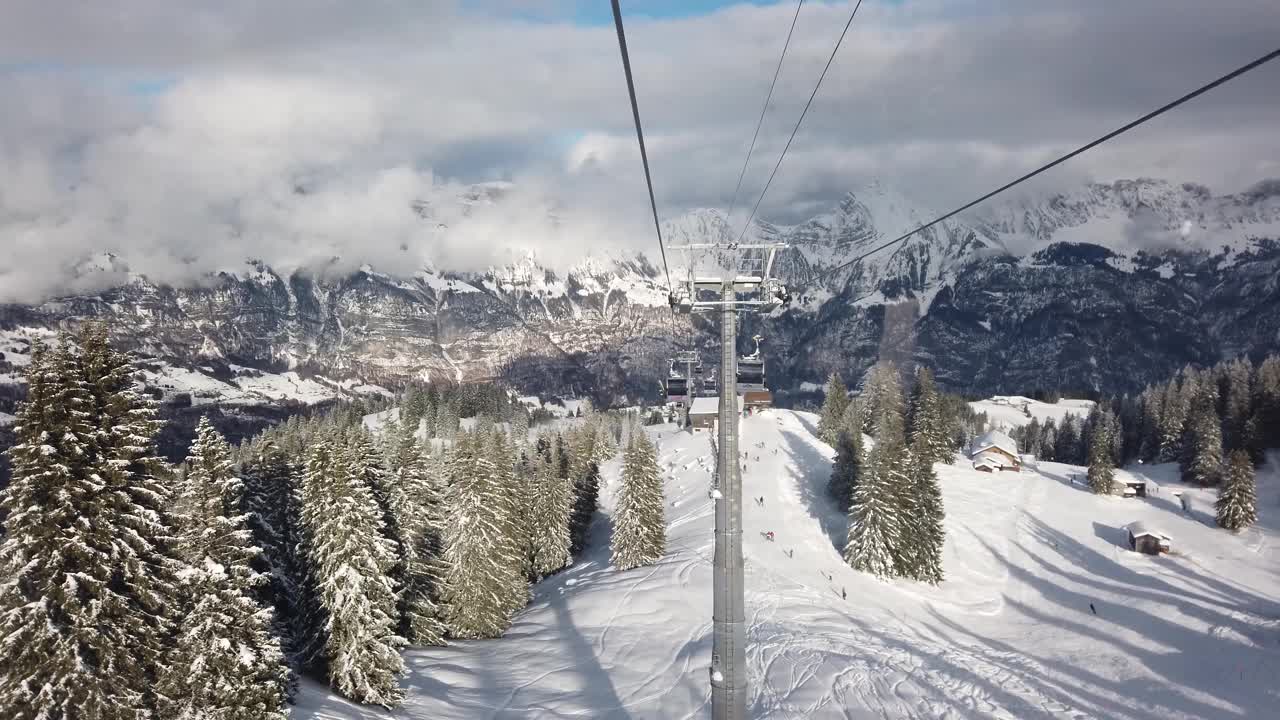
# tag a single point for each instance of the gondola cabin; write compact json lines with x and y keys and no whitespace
{"x":750,"y":374}
{"x":677,"y":391}
{"x":751,"y":380}
{"x":710,"y":388}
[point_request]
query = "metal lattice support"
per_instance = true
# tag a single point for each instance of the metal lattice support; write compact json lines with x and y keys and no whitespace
{"x":762,"y":292}
{"x":729,"y":643}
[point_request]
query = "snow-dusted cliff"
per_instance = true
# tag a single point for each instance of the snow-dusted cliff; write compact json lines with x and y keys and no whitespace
{"x":1103,"y":287}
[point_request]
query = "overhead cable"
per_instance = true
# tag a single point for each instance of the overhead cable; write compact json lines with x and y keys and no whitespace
{"x":733,"y":200}
{"x":796,"y":129}
{"x":1149,"y":116}
{"x":644,"y":156}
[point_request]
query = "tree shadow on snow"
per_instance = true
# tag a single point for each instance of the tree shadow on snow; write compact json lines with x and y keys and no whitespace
{"x":1175,"y":652}
{"x":1110,"y":534}
{"x":813,"y":470}
{"x":1066,"y":480}
{"x":596,"y":683}
{"x":810,"y":425}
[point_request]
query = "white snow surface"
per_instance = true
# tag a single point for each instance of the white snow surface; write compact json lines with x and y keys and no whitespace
{"x":248,"y":386}
{"x":1006,"y":411}
{"x":1009,"y":634}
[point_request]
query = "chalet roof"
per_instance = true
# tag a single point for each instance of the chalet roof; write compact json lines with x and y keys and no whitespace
{"x":994,"y":439}
{"x":1140,"y":528}
{"x":988,"y":461}
{"x":705,"y":406}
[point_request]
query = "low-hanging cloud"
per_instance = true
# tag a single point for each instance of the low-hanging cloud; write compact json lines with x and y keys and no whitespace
{"x":196,"y":139}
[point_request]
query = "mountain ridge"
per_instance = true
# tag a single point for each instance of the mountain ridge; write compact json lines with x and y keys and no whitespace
{"x":978,"y":297}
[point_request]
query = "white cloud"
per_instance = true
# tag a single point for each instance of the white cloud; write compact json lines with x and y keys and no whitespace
{"x":191,"y":138}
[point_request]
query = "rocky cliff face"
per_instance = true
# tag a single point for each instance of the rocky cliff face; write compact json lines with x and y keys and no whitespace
{"x":1101,"y":289}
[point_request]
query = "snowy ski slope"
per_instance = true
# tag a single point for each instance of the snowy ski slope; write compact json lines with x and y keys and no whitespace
{"x":1008,"y":635}
{"x":1007,"y":411}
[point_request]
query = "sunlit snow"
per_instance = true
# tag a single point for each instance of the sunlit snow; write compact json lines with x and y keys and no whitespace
{"x":1009,"y":634}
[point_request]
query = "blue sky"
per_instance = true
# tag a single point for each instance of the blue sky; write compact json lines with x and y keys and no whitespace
{"x":600,"y":11}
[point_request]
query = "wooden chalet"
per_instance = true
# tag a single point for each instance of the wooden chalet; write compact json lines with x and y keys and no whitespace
{"x":705,"y":411}
{"x":995,"y":451}
{"x":1133,"y":487}
{"x":757,"y":400}
{"x":1146,"y":539}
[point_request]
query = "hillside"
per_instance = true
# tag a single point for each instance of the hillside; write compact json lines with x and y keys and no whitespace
{"x":1010,"y":411}
{"x":1009,"y":634}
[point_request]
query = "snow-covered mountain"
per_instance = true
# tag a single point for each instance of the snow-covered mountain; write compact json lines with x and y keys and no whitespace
{"x":1105,"y":287}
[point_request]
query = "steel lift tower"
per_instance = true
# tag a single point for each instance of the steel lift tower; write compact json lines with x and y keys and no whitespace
{"x":747,"y":285}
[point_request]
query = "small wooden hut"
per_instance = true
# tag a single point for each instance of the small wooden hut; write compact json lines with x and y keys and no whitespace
{"x":1144,"y":538}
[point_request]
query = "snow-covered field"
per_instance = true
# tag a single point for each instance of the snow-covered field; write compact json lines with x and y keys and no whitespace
{"x":249,"y":386}
{"x":1010,"y":411}
{"x":243,"y":386}
{"x":1010,"y":634}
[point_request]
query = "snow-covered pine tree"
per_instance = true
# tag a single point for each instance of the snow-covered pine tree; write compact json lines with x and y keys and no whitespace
{"x":525,"y":503}
{"x":478,"y":582}
{"x":1173,"y":415}
{"x":585,"y":474}
{"x":272,"y":499}
{"x":1262,"y":430}
{"x":877,"y":522}
{"x":310,"y":622}
{"x":928,"y":433}
{"x":430,"y":414}
{"x":846,"y":472}
{"x":1067,"y":449}
{"x":552,"y":507}
{"x":928,"y":529}
{"x":868,"y":399}
{"x":831,"y":419}
{"x":49,"y":636}
{"x":227,"y":661}
{"x":1193,"y":382}
{"x":139,"y":492}
{"x":1027,"y":437}
{"x":87,"y":598}
{"x":446,"y":420}
{"x":852,"y":417}
{"x":1237,"y":403}
{"x":412,"y":406}
{"x":351,"y":561}
{"x":640,"y":528}
{"x":507,"y":497}
{"x":1149,"y":445}
{"x":1049,"y":441}
{"x":605,"y":444}
{"x":1101,"y":466}
{"x":411,"y":495}
{"x":1237,"y":506}
{"x":1089,"y":428}
{"x":1203,"y":438}
{"x":886,"y":403}
{"x":1115,"y":433}
{"x":435,"y":506}
{"x":519,"y":428}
